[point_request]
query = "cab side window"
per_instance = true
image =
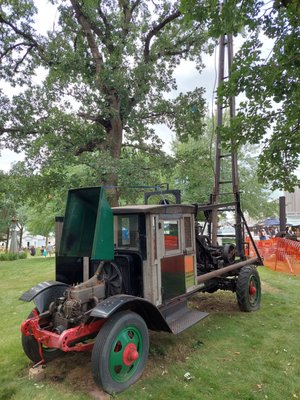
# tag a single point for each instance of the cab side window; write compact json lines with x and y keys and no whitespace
{"x":171,"y":235}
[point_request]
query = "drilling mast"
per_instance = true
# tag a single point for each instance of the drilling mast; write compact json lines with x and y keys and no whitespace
{"x":224,"y":186}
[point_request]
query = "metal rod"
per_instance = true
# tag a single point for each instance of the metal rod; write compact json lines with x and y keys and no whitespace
{"x":222,"y":271}
{"x":218,"y":206}
{"x":251,"y":239}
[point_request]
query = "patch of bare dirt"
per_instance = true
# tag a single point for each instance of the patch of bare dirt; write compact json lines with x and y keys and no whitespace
{"x":74,"y":369}
{"x":224,"y":302}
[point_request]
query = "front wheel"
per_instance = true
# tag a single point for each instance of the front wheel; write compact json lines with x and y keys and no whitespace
{"x":120,"y":352}
{"x":248,"y":289}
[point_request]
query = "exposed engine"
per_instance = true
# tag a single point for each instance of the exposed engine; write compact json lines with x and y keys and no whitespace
{"x":73,"y":308}
{"x":211,"y":257}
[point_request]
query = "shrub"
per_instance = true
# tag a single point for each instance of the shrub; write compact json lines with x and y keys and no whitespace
{"x":12,"y":256}
{"x":3,"y":257}
{"x":23,"y":255}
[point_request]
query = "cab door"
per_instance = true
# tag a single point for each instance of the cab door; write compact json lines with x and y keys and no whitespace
{"x":178,"y":261}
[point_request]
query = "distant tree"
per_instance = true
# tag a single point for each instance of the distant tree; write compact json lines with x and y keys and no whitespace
{"x":10,"y":207}
{"x":194,"y":175}
{"x":194,"y":168}
{"x":41,"y":220}
{"x":107,"y":66}
{"x":271,"y":81}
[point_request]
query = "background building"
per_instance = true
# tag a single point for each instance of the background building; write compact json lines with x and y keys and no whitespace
{"x":292,"y":201}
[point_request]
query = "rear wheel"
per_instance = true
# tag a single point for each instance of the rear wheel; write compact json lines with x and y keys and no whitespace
{"x":32,"y":351}
{"x":248,"y":289}
{"x":120,"y":352}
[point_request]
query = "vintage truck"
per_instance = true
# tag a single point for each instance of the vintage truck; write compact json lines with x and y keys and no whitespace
{"x":122,"y":271}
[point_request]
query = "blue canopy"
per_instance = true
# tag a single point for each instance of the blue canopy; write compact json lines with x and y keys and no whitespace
{"x":271,"y":222}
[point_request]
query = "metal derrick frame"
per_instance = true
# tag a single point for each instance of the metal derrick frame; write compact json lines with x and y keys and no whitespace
{"x":226,"y":41}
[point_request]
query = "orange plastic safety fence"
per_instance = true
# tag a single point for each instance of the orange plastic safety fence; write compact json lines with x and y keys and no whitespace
{"x":279,"y":254}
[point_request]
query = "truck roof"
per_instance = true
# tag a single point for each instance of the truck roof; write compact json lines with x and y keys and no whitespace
{"x":154,"y":209}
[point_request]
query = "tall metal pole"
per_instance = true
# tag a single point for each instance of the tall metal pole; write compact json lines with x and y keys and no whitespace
{"x":216,"y":191}
{"x":234,"y":164}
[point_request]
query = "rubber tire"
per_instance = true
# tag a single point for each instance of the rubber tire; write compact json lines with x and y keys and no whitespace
{"x":245,"y":301}
{"x":31,"y":348}
{"x":103,"y":346}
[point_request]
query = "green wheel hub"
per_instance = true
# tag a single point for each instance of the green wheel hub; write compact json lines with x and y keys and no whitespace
{"x":124,"y":356}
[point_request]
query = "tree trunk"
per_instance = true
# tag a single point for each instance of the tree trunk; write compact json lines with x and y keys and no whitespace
{"x":7,"y":240}
{"x":21,"y":237}
{"x":115,"y":138}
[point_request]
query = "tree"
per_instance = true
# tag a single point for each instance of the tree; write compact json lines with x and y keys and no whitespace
{"x":11,"y":207}
{"x":271,"y":81}
{"x":107,"y":65}
{"x":41,"y":220}
{"x":194,"y":174}
{"x":36,"y":199}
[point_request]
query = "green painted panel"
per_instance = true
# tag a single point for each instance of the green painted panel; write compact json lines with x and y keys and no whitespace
{"x":88,"y":225}
{"x":103,"y":245}
{"x":172,"y":276}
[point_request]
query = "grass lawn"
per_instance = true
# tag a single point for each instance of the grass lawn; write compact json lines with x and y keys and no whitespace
{"x":228,"y":355}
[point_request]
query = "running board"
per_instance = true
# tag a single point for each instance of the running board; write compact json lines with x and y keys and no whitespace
{"x":181,"y":317}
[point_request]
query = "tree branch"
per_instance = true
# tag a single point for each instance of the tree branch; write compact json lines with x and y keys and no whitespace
{"x":127,"y":12}
{"x":135,"y":4}
{"x":188,"y":41}
{"x":25,"y":35}
{"x":15,"y":130}
{"x":155,"y":31}
{"x":11,"y":48}
{"x":136,"y":146}
{"x":106,"y":36}
{"x":89,"y":146}
{"x":104,"y":19}
{"x":18,"y":63}
{"x":157,"y":114}
{"x":145,"y":148}
{"x":95,"y":118}
{"x":124,"y":4}
{"x":87,"y":30}
{"x":8,"y":130}
{"x":170,"y":53}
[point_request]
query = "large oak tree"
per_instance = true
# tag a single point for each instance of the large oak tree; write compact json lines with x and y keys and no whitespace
{"x":107,"y":66}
